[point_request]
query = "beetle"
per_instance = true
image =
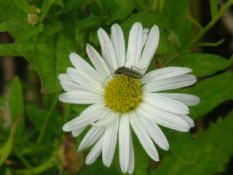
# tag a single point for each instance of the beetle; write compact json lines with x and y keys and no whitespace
{"x":128,"y":72}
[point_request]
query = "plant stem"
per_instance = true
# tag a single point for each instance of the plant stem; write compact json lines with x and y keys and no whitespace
{"x":49,"y":114}
{"x":209,"y":25}
{"x":37,"y":170}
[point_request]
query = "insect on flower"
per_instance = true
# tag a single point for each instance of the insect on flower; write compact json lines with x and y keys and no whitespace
{"x":128,"y":72}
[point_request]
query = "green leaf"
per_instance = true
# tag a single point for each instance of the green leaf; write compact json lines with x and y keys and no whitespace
{"x":214,"y":8}
{"x":88,"y":22}
{"x":2,"y":101}
{"x":28,"y":32}
{"x":73,"y":5}
{"x":45,"y":8}
{"x":13,"y":24}
{"x":16,"y":105}
{"x":181,"y":145}
{"x":52,"y":54}
{"x":121,"y":13}
{"x":18,"y":49}
{"x":36,"y":116}
{"x":25,"y":6}
{"x":174,"y":15}
{"x":6,"y":149}
{"x":213,"y":147}
{"x":52,"y":25}
{"x":202,"y":64}
{"x":212,"y":91}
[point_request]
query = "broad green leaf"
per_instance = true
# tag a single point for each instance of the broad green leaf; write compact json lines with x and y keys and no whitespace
{"x":181,"y":145}
{"x":24,"y":5}
{"x":29,"y":31}
{"x":52,"y":25}
{"x":213,"y":147}
{"x":13,"y":24}
{"x":16,"y":105}
{"x":212,"y":91}
{"x":88,"y":22}
{"x":6,"y":149}
{"x":52,"y":54}
{"x":73,"y":5}
{"x":174,"y":15}
{"x":36,"y":116}
{"x":18,"y":49}
{"x":45,"y":8}
{"x":202,"y":64}
{"x":214,"y":8}
{"x":121,"y":13}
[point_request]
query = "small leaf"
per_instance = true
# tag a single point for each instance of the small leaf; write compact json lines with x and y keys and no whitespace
{"x":6,"y":149}
{"x":16,"y":105}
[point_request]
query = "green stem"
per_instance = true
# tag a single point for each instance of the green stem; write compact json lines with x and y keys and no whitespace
{"x":49,"y":114}
{"x":209,"y":25}
{"x":37,"y":170}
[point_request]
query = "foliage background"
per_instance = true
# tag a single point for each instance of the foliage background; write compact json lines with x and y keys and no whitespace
{"x":37,"y":37}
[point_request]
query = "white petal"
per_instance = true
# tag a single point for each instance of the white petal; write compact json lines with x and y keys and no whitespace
{"x":82,"y":66}
{"x":124,"y":145}
{"x":135,"y":45}
{"x":188,"y":120}
{"x":150,"y":48}
{"x":109,"y":142}
{"x":143,"y":136}
{"x":67,"y":83}
{"x":78,"y":131}
{"x":97,"y":61}
{"x":155,"y":133}
{"x":187,"y":99}
{"x":84,"y":79}
{"x":131,"y":155}
{"x":163,"y":118}
{"x":108,"y":52}
{"x":91,"y":137}
{"x":165,"y":103}
{"x":163,"y":73}
{"x":118,"y":42}
{"x":95,"y":152}
{"x":81,"y":97}
{"x":145,"y":32}
{"x":170,"y":83}
{"x":89,"y":115}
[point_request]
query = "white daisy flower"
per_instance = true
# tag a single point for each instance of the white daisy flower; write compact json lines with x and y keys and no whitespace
{"x":120,"y":102}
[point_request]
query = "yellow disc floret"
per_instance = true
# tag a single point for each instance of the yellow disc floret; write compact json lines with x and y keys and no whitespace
{"x":123,"y":93}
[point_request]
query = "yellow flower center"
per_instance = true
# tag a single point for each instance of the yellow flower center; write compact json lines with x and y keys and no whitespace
{"x":123,"y":93}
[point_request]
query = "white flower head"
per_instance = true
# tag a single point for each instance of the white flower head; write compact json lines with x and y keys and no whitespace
{"x":126,"y":101}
